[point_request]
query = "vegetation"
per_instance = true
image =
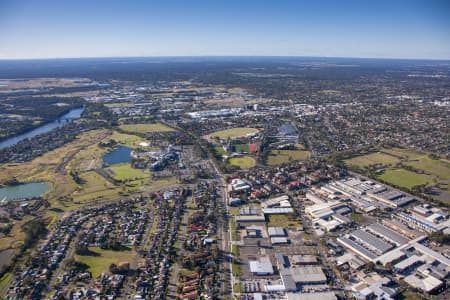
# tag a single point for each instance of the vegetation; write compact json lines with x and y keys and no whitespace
{"x":378,"y":158}
{"x":244,"y":162}
{"x":440,"y":237}
{"x":286,"y":221}
{"x":102,"y":259}
{"x":33,"y":230}
{"x":405,"y":178}
{"x":145,"y":128}
{"x":277,"y":157}
{"x":124,"y":172}
{"x":233,"y":133}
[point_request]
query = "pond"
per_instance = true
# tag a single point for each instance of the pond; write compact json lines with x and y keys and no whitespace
{"x":23,"y":191}
{"x":118,"y":156}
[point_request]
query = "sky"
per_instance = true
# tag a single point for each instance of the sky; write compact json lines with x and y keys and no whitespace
{"x":328,"y":28}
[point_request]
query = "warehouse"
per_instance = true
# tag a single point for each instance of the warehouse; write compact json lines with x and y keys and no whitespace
{"x":305,"y":275}
{"x":261,"y":267}
{"x":388,"y":234}
{"x":278,"y":210}
{"x":278,"y":240}
{"x":303,"y":260}
{"x":276,"y":232}
{"x":355,"y":247}
{"x":409,"y":263}
{"x":372,"y":242}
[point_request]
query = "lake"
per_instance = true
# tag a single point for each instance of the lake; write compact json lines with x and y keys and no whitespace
{"x":73,"y":114}
{"x":118,"y":156}
{"x":23,"y":191}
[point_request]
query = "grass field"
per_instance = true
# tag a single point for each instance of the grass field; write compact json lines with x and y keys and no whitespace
{"x":372,"y":159}
{"x":124,"y":172}
{"x":233,"y":133}
{"x":5,"y":279}
{"x":99,"y":264}
{"x":119,"y":104}
{"x":145,"y":128}
{"x":94,"y":188}
{"x":242,"y":148}
{"x":429,"y":171}
{"x":244,"y":162}
{"x":402,"y":153}
{"x":439,"y":168}
{"x":219,"y":150}
{"x":277,"y":157}
{"x":405,"y":178}
{"x":286,"y":221}
{"x":124,"y":139}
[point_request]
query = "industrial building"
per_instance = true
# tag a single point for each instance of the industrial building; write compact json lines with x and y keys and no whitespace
{"x":276,"y":232}
{"x":388,"y":234}
{"x":261,"y":267}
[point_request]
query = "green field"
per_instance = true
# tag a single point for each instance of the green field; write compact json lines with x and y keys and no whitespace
{"x":128,"y":140}
{"x":285,"y":221}
{"x":234,"y":133}
{"x":426,"y":170}
{"x":219,"y":150}
{"x":244,"y":162}
{"x":124,"y":172}
{"x":145,"y":128}
{"x":439,"y":168}
{"x":277,"y":157}
{"x":405,"y":178}
{"x":372,"y":159}
{"x":99,"y":264}
{"x":242,"y":148}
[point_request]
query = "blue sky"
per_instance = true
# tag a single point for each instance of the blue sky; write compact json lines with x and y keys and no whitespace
{"x":340,"y":28}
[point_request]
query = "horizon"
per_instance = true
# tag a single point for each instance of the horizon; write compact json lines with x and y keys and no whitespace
{"x":225,"y":57}
{"x":415,"y":29}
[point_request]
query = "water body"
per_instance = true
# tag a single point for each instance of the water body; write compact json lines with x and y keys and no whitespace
{"x":118,"y":156}
{"x":23,"y":191}
{"x":73,"y":114}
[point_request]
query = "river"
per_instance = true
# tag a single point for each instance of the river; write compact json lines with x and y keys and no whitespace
{"x":73,"y":114}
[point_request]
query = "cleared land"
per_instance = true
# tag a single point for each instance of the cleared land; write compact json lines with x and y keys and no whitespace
{"x":277,"y":157}
{"x":372,"y":159}
{"x":233,"y":133}
{"x":244,"y":162}
{"x":145,"y":128}
{"x":124,"y":172}
{"x":100,"y":263}
{"x":285,"y":221}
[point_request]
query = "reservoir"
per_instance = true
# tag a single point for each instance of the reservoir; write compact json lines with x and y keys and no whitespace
{"x":118,"y":156}
{"x":60,"y":122}
{"x":23,"y":191}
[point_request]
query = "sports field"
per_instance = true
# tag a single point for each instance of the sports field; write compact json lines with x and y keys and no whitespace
{"x":377,"y":158}
{"x":244,"y":162}
{"x":100,"y":263}
{"x":277,"y":157}
{"x":145,"y":128}
{"x":233,"y":133}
